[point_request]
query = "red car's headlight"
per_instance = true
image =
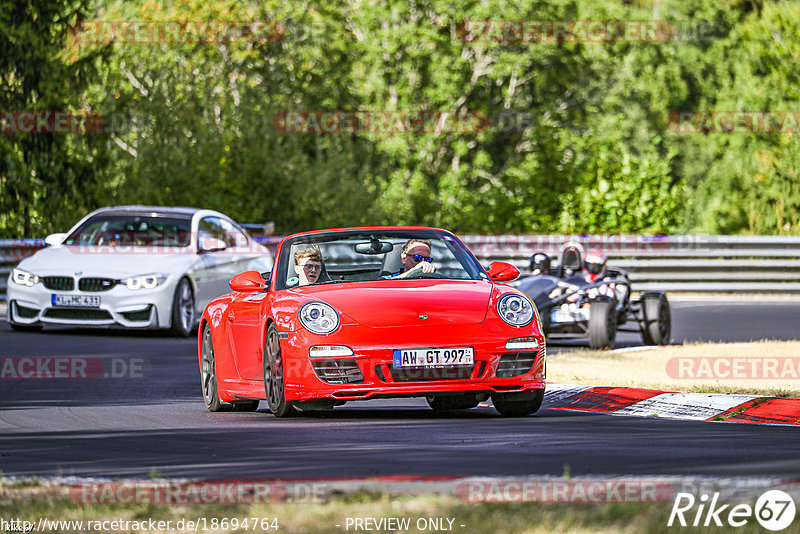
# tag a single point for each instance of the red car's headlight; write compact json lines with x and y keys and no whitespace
{"x":515,"y":309}
{"x":319,"y":317}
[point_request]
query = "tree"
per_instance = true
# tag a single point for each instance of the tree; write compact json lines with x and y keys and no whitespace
{"x":47,"y":179}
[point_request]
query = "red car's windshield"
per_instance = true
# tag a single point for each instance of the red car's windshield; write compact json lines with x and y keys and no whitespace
{"x":362,"y":255}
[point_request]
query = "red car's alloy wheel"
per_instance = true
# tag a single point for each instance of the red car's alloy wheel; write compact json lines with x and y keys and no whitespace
{"x":208,"y":373}
{"x":273,"y":375}
{"x":208,"y":377}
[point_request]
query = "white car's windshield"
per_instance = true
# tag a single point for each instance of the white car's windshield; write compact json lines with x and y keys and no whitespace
{"x":359,"y":256}
{"x":132,"y":230}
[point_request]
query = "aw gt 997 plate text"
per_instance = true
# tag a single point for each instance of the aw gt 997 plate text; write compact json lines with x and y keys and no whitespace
{"x":433,"y":357}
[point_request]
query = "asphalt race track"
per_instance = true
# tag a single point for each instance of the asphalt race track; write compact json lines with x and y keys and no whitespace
{"x":131,"y":427}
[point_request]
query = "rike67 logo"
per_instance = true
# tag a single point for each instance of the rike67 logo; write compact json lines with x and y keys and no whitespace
{"x":774,"y":510}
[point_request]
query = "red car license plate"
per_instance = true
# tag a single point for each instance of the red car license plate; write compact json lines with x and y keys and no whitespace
{"x":436,"y":357}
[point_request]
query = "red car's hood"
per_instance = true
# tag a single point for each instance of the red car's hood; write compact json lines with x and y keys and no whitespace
{"x":402,"y":302}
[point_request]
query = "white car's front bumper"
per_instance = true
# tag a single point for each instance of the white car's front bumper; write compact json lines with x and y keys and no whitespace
{"x":139,"y":308}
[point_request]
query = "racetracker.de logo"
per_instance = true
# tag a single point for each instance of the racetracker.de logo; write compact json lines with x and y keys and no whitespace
{"x":50,"y":122}
{"x":177,"y":31}
{"x":380,"y":122}
{"x":734,"y":367}
{"x":134,"y":242}
{"x":70,"y":367}
{"x":202,"y":492}
{"x":734,"y":122}
{"x":565,"y":491}
{"x":564,"y":31}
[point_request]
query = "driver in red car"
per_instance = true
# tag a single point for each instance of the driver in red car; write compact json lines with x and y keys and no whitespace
{"x":416,"y":257}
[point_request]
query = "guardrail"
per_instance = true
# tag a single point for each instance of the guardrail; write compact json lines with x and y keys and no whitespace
{"x":685,"y":263}
{"x":682,"y":263}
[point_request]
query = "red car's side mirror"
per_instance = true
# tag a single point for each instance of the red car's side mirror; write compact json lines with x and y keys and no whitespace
{"x":247,"y":282}
{"x":500,"y":271}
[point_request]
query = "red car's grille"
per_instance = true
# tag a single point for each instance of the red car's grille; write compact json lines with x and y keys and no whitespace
{"x":515,"y":364}
{"x":417,"y":374}
{"x":338,"y":371}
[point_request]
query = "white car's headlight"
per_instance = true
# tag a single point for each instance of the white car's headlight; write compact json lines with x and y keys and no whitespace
{"x":319,"y":317}
{"x":24,"y":278}
{"x":145,"y":281}
{"x":514,"y":309}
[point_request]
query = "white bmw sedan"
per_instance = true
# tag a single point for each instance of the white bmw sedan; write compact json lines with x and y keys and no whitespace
{"x":132,"y":266}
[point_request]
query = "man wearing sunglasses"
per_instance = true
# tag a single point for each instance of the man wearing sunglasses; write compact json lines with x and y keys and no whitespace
{"x":416,"y":257}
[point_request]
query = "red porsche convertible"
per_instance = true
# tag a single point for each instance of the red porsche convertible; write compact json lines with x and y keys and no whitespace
{"x":365,"y":313}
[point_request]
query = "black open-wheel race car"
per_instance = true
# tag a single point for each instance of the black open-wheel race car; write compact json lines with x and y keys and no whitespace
{"x":583,"y":298}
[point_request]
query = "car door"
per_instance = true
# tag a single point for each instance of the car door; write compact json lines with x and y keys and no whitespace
{"x":216,"y":268}
{"x":244,"y":321}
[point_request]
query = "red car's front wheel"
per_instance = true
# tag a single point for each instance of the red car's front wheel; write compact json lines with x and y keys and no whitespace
{"x":274,"y":377}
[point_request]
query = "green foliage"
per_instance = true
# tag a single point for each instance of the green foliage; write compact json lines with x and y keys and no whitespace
{"x":749,"y":183}
{"x":577,"y":138}
{"x":45,"y":180}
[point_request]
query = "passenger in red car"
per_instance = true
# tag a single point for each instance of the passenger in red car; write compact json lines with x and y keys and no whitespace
{"x":308,"y":265}
{"x":416,"y":257}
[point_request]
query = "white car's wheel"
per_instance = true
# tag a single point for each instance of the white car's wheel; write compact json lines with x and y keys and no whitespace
{"x":183,"y":322}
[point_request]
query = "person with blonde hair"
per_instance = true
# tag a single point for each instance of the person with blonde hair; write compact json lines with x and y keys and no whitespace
{"x":308,"y":265}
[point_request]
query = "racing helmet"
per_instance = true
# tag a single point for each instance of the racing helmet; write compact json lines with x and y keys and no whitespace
{"x":595,"y":265}
{"x":540,"y":263}
{"x":571,"y":259}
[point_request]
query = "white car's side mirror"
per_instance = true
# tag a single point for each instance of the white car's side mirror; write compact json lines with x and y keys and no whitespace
{"x":55,"y":239}
{"x":212,"y":244}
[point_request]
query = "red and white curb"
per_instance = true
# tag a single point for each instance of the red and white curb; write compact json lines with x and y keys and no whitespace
{"x":693,"y":406}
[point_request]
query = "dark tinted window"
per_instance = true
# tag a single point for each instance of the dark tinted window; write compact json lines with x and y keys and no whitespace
{"x":222,"y":229}
{"x":132,"y":230}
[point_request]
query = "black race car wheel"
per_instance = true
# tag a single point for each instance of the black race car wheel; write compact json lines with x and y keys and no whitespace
{"x":442,"y":404}
{"x":602,"y":324}
{"x":656,"y":323}
{"x":518,"y":404}
{"x":274,"y":377}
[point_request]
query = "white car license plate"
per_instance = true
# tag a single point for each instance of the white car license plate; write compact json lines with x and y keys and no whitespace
{"x":437,"y":357}
{"x":80,"y":301}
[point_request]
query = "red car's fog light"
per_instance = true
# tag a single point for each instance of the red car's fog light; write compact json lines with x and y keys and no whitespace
{"x":329,"y":351}
{"x":522,"y":343}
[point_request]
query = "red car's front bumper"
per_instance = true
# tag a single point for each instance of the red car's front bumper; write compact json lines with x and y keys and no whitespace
{"x":371,"y":366}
